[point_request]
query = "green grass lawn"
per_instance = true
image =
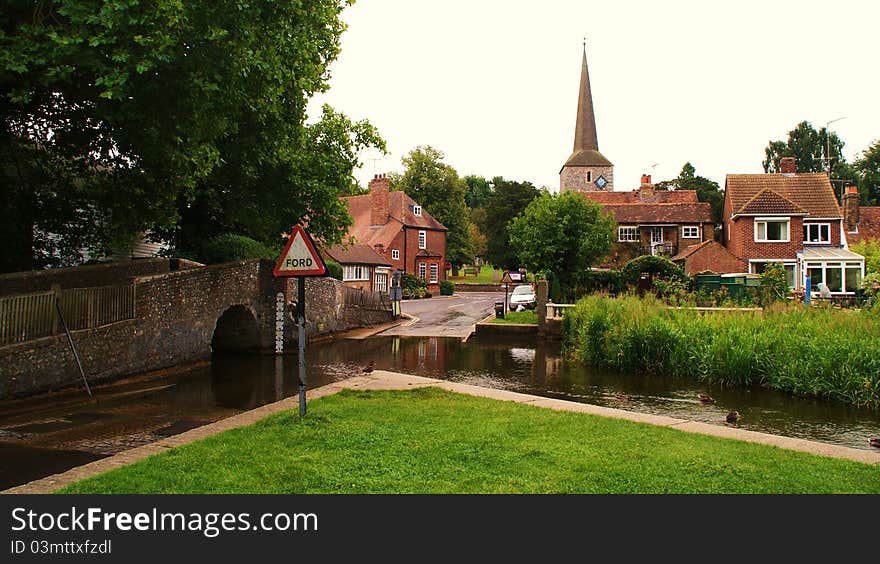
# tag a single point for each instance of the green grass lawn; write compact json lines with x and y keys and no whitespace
{"x":528,"y":316}
{"x":484,"y":277}
{"x":433,"y":441}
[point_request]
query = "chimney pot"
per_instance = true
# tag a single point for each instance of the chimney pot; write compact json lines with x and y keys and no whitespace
{"x":380,"y":200}
{"x":788,"y":165}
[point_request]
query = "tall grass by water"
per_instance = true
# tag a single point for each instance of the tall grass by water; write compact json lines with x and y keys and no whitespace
{"x":827,"y":353}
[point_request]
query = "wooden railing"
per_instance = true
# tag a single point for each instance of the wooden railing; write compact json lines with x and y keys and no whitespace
{"x":368,"y":300}
{"x":32,"y":316}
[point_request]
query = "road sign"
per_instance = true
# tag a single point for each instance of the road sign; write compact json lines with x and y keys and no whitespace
{"x":300,"y":257}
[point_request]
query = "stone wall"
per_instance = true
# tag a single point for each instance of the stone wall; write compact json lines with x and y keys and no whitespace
{"x":574,"y":178}
{"x":107,"y":274}
{"x":177,"y":314}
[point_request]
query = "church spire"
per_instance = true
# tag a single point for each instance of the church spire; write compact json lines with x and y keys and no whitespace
{"x":585,"y":137}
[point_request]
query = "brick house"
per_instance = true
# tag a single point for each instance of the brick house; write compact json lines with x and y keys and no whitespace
{"x":400,"y":231}
{"x":655,"y":222}
{"x":792,"y":219}
{"x":708,"y":256}
{"x":362,"y":267}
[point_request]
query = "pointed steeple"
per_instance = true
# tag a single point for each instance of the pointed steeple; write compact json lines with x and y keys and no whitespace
{"x":586,"y":142}
{"x":585,"y":137}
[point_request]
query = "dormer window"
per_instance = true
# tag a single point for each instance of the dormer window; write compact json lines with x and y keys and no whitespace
{"x":417,"y":210}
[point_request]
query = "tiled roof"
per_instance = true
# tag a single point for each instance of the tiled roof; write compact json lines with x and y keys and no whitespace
{"x":661,"y":213}
{"x":691,"y":250}
{"x":812,"y":192}
{"x":356,"y":254}
{"x":769,"y":202}
{"x":637,"y":197}
{"x":400,"y":211}
{"x":869,"y":225}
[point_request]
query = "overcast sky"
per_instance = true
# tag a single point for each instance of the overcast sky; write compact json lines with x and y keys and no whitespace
{"x":493,"y":83}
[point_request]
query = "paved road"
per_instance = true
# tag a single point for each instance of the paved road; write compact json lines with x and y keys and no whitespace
{"x":443,"y":316}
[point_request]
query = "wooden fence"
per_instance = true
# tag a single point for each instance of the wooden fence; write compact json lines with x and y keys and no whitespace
{"x":31,"y":316}
{"x":368,"y":300}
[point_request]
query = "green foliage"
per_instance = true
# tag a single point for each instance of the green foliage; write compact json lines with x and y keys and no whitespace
{"x":774,"y":284}
{"x":436,"y":186}
{"x":230,"y":246}
{"x":479,"y":192}
{"x":413,"y":287}
{"x":810,"y":148}
{"x":870,"y":249}
{"x":561,"y":233}
{"x":660,"y":267}
{"x":334,"y":269}
{"x":181,"y":118}
{"x":806,"y":351}
{"x":508,"y":201}
{"x":868,"y":168}
{"x":593,"y":281}
{"x":707,"y":190}
{"x":447,"y":288}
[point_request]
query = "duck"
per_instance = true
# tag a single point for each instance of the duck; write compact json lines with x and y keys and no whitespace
{"x":705,"y":398}
{"x":875,"y":442}
{"x":733,"y":417}
{"x":369,"y":368}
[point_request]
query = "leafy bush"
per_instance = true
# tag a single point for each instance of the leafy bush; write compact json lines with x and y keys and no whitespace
{"x":869,"y":249}
{"x":333,"y":268}
{"x":826,"y":353}
{"x":774,"y":284}
{"x":592,"y":281}
{"x":661,"y":267}
{"x":447,"y":288}
{"x":230,"y":247}
{"x":413,"y":287}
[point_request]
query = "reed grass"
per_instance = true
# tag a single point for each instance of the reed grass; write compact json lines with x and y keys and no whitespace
{"x":820,"y":352}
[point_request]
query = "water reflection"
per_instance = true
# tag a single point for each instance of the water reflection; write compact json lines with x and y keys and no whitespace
{"x":540,"y":369}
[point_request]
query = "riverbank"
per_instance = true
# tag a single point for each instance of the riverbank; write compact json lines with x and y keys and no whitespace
{"x":825,"y":353}
{"x":436,"y":441}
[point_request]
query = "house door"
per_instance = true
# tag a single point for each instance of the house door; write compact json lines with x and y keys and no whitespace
{"x":656,"y":240}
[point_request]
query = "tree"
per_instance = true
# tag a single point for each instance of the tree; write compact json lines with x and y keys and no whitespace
{"x":479,"y":191}
{"x":119,"y":117}
{"x":707,"y":190}
{"x":508,"y":200}
{"x":563,"y":234}
{"x":810,"y":148}
{"x":868,"y":169}
{"x":437,"y":187}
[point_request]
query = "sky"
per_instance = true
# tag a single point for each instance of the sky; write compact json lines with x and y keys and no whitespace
{"x":493,"y":84}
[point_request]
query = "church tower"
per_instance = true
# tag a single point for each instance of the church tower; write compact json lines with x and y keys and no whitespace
{"x":586,"y":170}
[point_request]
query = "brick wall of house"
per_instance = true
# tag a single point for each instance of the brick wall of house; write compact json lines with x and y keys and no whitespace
{"x":716,"y":258}
{"x":743,"y":244}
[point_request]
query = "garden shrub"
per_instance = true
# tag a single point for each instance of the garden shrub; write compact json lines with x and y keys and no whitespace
{"x":447,"y":288}
{"x":334,"y":269}
{"x":230,"y":247}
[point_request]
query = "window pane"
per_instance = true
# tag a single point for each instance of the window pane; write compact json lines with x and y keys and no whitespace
{"x":834,"y":278}
{"x":816,"y":277}
{"x":789,"y":274}
{"x":825,"y":233}
{"x":853,"y":278}
{"x":762,"y":230}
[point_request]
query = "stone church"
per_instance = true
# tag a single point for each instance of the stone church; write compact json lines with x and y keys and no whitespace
{"x":586,"y":170}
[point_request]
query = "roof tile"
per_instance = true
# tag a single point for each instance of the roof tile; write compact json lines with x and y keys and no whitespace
{"x":811,"y":191}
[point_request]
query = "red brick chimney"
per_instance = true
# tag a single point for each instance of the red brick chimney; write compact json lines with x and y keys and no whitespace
{"x":788,"y":165}
{"x":379,"y":200}
{"x":851,"y":209}
{"x":646,"y":190}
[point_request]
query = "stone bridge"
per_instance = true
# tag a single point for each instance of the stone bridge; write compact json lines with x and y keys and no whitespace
{"x":183,"y":313}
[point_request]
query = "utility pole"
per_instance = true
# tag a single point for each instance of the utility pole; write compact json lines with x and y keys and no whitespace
{"x":828,"y":143}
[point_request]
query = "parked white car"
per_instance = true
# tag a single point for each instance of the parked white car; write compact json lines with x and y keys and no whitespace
{"x":523,"y":295}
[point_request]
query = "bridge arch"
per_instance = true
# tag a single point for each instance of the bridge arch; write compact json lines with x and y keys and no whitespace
{"x":237,"y":331}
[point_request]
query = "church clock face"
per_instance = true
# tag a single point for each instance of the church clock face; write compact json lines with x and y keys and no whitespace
{"x":601,"y":182}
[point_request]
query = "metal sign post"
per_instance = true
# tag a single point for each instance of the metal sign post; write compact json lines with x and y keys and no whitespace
{"x":299,"y":259}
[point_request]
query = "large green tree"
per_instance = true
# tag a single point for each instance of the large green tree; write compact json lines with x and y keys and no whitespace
{"x":868,"y":169}
{"x":437,"y":187}
{"x":508,"y":200}
{"x":563,"y":234}
{"x":479,"y":191}
{"x":121,"y":116}
{"x":812,"y":150}
{"x":707,"y":190}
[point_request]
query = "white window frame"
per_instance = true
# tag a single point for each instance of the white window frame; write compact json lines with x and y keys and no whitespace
{"x":765,"y":221}
{"x":417,"y":210}
{"x":380,"y":281}
{"x":825,"y":266}
{"x":423,"y":270}
{"x":355,"y":273}
{"x":423,"y":239}
{"x":395,"y":254}
{"x":818,"y":226}
{"x":629,"y":230}
{"x":434,"y":271}
{"x":695,"y":229}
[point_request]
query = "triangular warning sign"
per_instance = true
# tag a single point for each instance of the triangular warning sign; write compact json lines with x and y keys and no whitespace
{"x":299,"y":257}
